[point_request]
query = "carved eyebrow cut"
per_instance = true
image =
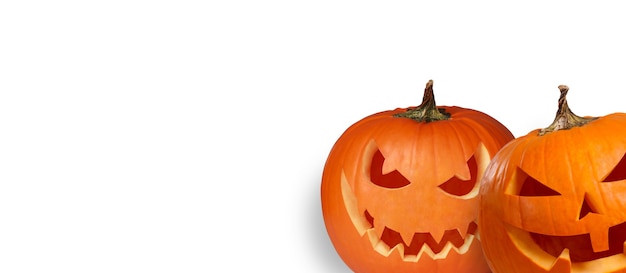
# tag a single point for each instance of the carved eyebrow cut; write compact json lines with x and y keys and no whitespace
{"x":618,"y":173}
{"x":531,"y":186}
{"x":392,"y":180}
{"x":523,"y":184}
{"x":459,"y":187}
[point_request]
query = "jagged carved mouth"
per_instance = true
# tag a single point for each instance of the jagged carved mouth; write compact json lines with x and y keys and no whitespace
{"x":423,"y":242}
{"x":391,"y":240}
{"x":580,"y":246}
{"x":575,"y":251}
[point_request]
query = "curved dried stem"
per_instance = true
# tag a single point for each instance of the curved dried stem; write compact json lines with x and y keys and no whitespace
{"x":427,"y":111}
{"x":565,"y":119}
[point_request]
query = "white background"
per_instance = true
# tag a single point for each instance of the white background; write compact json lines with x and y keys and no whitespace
{"x":190,"y":136}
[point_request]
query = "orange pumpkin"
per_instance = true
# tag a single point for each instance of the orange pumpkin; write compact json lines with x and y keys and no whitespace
{"x":554,"y":200}
{"x":399,"y":189}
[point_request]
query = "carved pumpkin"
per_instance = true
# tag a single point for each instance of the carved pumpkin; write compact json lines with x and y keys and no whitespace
{"x":399,"y":189}
{"x":554,"y":200}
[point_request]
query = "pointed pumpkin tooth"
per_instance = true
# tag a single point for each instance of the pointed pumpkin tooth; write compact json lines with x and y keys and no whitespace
{"x":407,"y":237}
{"x":437,"y":235}
{"x":379,"y":228}
{"x":409,"y":257}
{"x":466,"y":244}
{"x":600,"y":239}
{"x":382,"y":248}
{"x":463,"y":232}
{"x":399,"y":248}
{"x":624,"y":248}
{"x":444,"y":251}
{"x":374,"y":238}
{"x":562,"y":263}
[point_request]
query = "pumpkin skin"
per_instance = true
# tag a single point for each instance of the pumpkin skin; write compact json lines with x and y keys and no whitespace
{"x":400,"y":195}
{"x":557,"y":202}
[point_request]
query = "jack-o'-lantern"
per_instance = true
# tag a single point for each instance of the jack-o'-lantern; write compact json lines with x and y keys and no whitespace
{"x":399,"y":189}
{"x":554,"y":200}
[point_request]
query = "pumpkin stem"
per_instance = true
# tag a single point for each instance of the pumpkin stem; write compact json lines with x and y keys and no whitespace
{"x":427,"y":111}
{"x":565,"y":119}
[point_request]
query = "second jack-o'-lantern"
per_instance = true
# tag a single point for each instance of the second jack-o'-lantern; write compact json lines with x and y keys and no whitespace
{"x":399,"y":189}
{"x":554,"y":200}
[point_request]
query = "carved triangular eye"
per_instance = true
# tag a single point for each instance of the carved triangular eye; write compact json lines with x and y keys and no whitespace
{"x":532,"y":187}
{"x":585,"y":208}
{"x":458,"y":187}
{"x":391,"y":180}
{"x":618,"y":173}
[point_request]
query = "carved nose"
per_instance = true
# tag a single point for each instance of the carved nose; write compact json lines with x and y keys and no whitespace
{"x":586,"y":208}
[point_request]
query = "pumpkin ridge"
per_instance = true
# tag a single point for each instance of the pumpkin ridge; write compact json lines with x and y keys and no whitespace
{"x":485,"y":133}
{"x":547,"y":155}
{"x":461,"y":135}
{"x":459,"y":144}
